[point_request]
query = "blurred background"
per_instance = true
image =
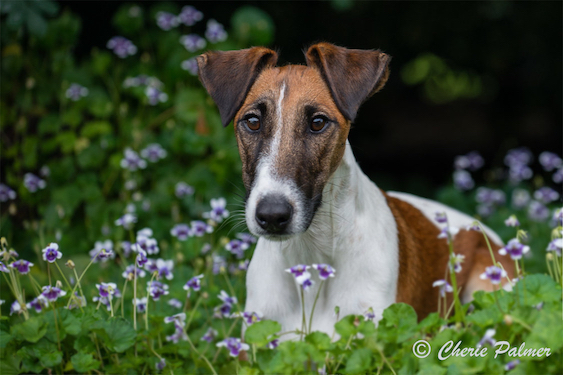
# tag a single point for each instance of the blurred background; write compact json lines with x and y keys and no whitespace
{"x":465,"y":76}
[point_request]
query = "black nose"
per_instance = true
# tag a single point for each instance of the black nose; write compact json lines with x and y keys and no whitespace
{"x":274,"y":214}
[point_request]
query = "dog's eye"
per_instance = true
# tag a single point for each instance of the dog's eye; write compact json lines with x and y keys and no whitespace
{"x":252,"y":123}
{"x":318,"y":123}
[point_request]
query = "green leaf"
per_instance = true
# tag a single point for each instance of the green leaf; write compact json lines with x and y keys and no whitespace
{"x":31,"y":330}
{"x":319,"y":340}
{"x":359,"y":361}
{"x":547,"y":332}
{"x":260,"y":332}
{"x":94,"y":128}
{"x":346,"y":327}
{"x":83,"y":362}
{"x":399,"y":323}
{"x":5,"y":339}
{"x":538,"y":288}
{"x":117,"y":334}
{"x":51,"y":359}
{"x":486,"y":318}
{"x":253,"y":26}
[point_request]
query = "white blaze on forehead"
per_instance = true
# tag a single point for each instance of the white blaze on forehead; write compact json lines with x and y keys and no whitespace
{"x":267,"y":182}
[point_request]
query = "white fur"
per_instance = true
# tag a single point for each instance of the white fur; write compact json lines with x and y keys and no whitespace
{"x":455,"y":218}
{"x":355,"y":232}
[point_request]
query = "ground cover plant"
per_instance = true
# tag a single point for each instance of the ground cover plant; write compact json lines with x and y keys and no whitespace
{"x":123,"y":242}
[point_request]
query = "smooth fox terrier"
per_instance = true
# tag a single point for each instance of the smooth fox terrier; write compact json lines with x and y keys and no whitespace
{"x":309,"y":202}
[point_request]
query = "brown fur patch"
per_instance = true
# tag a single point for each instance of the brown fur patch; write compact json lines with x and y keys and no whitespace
{"x":423,"y":258}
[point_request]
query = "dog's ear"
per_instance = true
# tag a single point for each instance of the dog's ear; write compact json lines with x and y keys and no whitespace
{"x":228,"y":76}
{"x":352,"y":75}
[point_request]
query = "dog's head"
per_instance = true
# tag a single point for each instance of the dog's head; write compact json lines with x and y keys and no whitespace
{"x":291,"y":124}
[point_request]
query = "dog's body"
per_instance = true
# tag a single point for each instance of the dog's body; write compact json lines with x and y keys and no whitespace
{"x":309,"y":201}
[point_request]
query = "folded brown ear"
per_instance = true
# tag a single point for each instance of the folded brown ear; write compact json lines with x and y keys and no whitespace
{"x":229,"y":75}
{"x":352,"y":75}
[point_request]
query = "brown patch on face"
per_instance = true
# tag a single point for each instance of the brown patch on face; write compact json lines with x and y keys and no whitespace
{"x":304,"y":157}
{"x":423,"y":258}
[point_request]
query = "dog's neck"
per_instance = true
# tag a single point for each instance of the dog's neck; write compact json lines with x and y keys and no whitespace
{"x":341,"y":207}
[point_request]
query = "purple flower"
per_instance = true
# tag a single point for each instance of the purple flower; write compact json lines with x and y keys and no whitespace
{"x":555,"y":245}
{"x":215,"y":32}
{"x":490,"y":196}
{"x":199,"y":228}
{"x":448,"y":232}
{"x":369,"y":314}
{"x":218,"y":210}
{"x":175,"y":303}
{"x":155,"y":95}
{"x":546,"y":195}
{"x":38,"y":303}
{"x":305,"y":280}
{"x":515,"y":249}
{"x":511,"y":365}
{"x":488,"y":338}
{"x":121,"y":46}
{"x":193,"y":42}
{"x":494,"y":274}
{"x":52,"y":293}
{"x":6,"y":193}
{"x":51,"y":253}
{"x":156,"y":289}
{"x":298,"y":270}
{"x":243,"y":265}
{"x":273,"y":344}
{"x":444,"y":286}
{"x":166,"y":21}
{"x":76,"y":301}
{"x":190,"y":65}
{"x":102,"y":251}
{"x":132,"y":161}
{"x":219,"y":263}
{"x":164,"y":268}
{"x":130,"y":271}
{"x":126,"y":221}
{"x":537,"y":211}
{"x":441,"y":217}
{"x":520,"y":198}
{"x":141,"y":258}
{"x":33,"y":183}
{"x":181,"y":232}
{"x":179,"y":320}
{"x":3,"y":268}
{"x":15,"y":308}
{"x":141,"y":304}
{"x":519,"y":173}
{"x":210,"y":335}
{"x":160,"y":365}
{"x":512,"y":221}
{"x":558,"y":176}
{"x":151,"y":266}
{"x":22,"y":266}
{"x":463,"y":180}
{"x":237,"y":247}
{"x":147,"y":244}
{"x":153,"y":152}
{"x":249,"y":317}
{"x":233,"y":345}
{"x":558,"y":217}
{"x":107,"y":290}
{"x":126,"y":248}
{"x":472,"y":161}
{"x":193,"y":283}
{"x":455,"y":262}
{"x":178,"y":335}
{"x":76,"y":92}
{"x":325,"y":271}
{"x":247,"y":238}
{"x":190,"y":15}
{"x":550,"y":161}
{"x":518,"y":156}
{"x":223,"y":296}
{"x":182,"y":190}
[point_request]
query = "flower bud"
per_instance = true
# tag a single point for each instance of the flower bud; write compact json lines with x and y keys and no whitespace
{"x":508,"y":319}
{"x":70,"y":264}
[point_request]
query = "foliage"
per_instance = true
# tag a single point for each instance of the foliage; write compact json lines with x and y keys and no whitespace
{"x":92,"y":180}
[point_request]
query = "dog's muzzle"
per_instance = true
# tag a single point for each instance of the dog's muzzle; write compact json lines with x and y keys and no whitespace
{"x":274,"y":214}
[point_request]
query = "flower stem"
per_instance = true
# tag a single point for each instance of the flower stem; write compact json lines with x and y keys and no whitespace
{"x":315,"y":304}
{"x":63,"y":275}
{"x":458,"y":312}
{"x":80,"y":278}
{"x":304,"y":320}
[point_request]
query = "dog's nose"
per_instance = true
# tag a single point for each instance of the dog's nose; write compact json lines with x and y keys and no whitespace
{"x":274,"y":214}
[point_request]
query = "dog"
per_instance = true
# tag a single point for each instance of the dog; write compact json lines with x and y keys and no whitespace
{"x":309,"y":202}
